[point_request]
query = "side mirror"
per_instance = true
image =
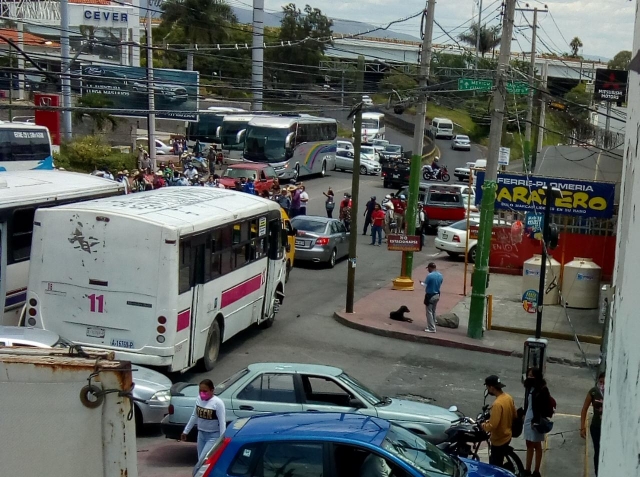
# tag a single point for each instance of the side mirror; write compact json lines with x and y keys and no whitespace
{"x":453,"y":409}
{"x":293,"y":232}
{"x":218,"y":130}
{"x":288,"y":140}
{"x":240,"y":136}
{"x":355,"y":403}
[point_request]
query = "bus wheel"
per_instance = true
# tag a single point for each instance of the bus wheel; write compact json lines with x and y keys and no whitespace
{"x":213,"y":347}
{"x":296,"y":173}
{"x":288,"y":272}
{"x":268,"y":323}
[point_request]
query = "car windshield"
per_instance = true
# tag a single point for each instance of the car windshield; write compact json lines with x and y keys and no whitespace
{"x":366,"y":150}
{"x":236,"y":173}
{"x":230,"y":130}
{"x":418,"y":453}
{"x":462,"y":138}
{"x":307,"y":225}
{"x":366,"y":393}
{"x":369,"y":124}
{"x":380,"y":142}
{"x":393,"y":149}
{"x":265,"y":144}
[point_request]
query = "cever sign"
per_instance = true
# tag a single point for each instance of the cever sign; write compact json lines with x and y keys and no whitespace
{"x":403,"y":243}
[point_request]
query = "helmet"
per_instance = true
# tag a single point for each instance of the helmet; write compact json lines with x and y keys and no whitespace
{"x":436,"y":158}
{"x":402,"y":197}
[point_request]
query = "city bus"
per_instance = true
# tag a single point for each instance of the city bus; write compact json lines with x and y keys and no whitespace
{"x":21,"y":193}
{"x":207,"y":128}
{"x":162,"y":278}
{"x":295,"y":146}
{"x":24,"y":146}
{"x":372,"y":127}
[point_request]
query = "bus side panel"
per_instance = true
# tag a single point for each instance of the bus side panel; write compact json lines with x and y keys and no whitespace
{"x":16,"y":292}
{"x":311,"y":155}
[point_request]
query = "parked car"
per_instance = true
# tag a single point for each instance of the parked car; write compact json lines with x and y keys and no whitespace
{"x":366,"y":100}
{"x":320,"y":239}
{"x":345,"y":160}
{"x":288,"y":387}
{"x":161,"y":148}
{"x":452,"y":238}
{"x":151,"y":389}
{"x":331,"y":444}
{"x":443,"y":204}
{"x":263,"y":175}
{"x":164,"y":91}
{"x":460,"y":141}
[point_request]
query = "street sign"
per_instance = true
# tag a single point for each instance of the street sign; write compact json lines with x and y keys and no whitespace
{"x":403,"y":243}
{"x":470,"y":84}
{"x":503,"y":156}
{"x":517,"y":87}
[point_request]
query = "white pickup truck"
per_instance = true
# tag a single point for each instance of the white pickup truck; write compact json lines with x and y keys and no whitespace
{"x":462,"y":173}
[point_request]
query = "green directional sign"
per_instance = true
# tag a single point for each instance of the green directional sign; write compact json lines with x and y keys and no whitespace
{"x":470,"y":84}
{"x":517,"y":87}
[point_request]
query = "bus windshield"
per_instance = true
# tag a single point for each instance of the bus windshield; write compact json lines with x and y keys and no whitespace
{"x":264,"y":144}
{"x":230,"y":130}
{"x":369,"y":124}
{"x":205,"y":129}
{"x":26,"y":144}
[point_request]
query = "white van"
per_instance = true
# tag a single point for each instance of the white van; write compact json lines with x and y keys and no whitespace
{"x":442,"y":127}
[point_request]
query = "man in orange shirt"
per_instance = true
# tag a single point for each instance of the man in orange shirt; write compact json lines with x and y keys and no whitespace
{"x":503,"y":412}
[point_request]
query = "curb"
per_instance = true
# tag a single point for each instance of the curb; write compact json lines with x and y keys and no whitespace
{"x":449,"y":343}
{"x":549,"y":334}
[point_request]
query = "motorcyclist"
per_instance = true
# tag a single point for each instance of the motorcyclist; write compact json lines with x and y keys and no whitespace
{"x":434,"y":165}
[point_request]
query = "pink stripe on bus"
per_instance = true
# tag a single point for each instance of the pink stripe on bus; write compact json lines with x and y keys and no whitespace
{"x":233,"y":294}
{"x":184,"y":318}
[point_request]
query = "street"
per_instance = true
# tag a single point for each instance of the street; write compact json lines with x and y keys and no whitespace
{"x":305,"y":331}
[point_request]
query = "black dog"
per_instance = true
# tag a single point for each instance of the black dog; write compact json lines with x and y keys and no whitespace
{"x":398,"y":315}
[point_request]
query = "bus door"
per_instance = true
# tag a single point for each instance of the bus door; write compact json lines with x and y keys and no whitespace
{"x":3,"y":267}
{"x":275,"y":266}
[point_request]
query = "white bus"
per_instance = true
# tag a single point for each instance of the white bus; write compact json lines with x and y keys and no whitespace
{"x":162,"y":278}
{"x":372,"y":127}
{"x":295,"y":146}
{"x":207,"y":128}
{"x":24,"y":146}
{"x":232,"y":134}
{"x":21,"y":193}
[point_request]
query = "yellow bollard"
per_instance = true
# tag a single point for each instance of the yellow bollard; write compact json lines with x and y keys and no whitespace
{"x":489,"y":310}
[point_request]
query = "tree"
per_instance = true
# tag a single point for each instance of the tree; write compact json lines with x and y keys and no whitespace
{"x":201,"y":21}
{"x":489,"y":37}
{"x":575,"y":46}
{"x":620,"y":61}
{"x":310,"y":25}
{"x":100,"y":119}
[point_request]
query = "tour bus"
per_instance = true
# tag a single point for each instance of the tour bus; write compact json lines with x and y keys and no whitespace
{"x":21,"y":193}
{"x":162,"y":278}
{"x":24,"y":146}
{"x":232,"y":134}
{"x":207,"y":128}
{"x":372,"y":127}
{"x":295,"y":146}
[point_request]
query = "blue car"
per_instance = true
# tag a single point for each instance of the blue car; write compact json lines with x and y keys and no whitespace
{"x":321,"y":444}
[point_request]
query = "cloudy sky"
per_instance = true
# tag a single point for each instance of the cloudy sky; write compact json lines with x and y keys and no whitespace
{"x":604,"y":26}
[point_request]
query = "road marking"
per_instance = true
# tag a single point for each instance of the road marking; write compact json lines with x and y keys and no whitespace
{"x":595,"y":176}
{"x":543,"y":157}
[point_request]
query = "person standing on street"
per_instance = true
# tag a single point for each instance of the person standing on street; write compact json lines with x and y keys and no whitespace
{"x":400,"y":208}
{"x":345,"y":211}
{"x":295,"y":201}
{"x":211,"y":158}
{"x":595,"y":398}
{"x":389,"y":218}
{"x":369,"y":208}
{"x":377,"y":220}
{"x":304,"y":199}
{"x":420,"y":219}
{"x":209,"y":413}
{"x":503,"y":412}
{"x":432,"y":285}
{"x":329,"y":203}
{"x":537,"y":405}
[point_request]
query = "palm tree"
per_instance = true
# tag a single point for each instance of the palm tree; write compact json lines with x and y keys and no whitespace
{"x":99,"y":118}
{"x":199,"y":20}
{"x":489,"y":37}
{"x":575,"y":45}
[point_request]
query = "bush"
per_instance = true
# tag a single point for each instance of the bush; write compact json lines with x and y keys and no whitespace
{"x":89,"y":153}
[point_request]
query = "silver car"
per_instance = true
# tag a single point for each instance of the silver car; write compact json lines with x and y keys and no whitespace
{"x":286,"y":387}
{"x":460,"y":141}
{"x":344,"y":162}
{"x":320,"y":239}
{"x":151,"y":387}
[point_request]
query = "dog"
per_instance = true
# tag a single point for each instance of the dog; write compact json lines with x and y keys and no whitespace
{"x":398,"y":315}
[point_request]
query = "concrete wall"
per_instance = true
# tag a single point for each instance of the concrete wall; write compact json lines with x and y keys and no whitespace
{"x":621,"y":426}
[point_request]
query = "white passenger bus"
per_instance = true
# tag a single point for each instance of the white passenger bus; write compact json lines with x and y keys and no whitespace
{"x":372,"y":126}
{"x":163,"y":277}
{"x":295,"y":146}
{"x":207,"y":128}
{"x":232,"y":134}
{"x":21,"y":193}
{"x":24,"y":146}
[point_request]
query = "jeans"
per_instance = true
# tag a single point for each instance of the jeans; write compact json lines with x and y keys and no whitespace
{"x":205,"y":441}
{"x":329,"y":213}
{"x":431,"y":302}
{"x":595,"y":437}
{"x":367,"y":222}
{"x":303,"y":211}
{"x":376,"y":230}
{"x":498,"y":454}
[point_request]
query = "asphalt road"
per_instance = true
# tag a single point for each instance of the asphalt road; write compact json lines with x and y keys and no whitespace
{"x":304,"y":331}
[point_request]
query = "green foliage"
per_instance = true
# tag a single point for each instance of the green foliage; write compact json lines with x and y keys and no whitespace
{"x":100,"y":119}
{"x":200,"y":21}
{"x":575,"y":46}
{"x":297,"y":25}
{"x":489,"y":37}
{"x":397,"y":80}
{"x":620,"y":61}
{"x":447,"y":60}
{"x":88,"y":153}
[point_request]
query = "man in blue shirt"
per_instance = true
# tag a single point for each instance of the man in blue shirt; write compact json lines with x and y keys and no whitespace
{"x":432,"y":285}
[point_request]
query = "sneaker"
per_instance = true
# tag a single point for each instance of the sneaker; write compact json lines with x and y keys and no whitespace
{"x":429,"y":331}
{"x":535,"y":474}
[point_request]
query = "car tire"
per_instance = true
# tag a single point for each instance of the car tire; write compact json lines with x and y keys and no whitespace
{"x":323,"y":171}
{"x":332,"y":258}
{"x":212,"y":349}
{"x":471,"y":255}
{"x":139,"y":421}
{"x":363,"y":170}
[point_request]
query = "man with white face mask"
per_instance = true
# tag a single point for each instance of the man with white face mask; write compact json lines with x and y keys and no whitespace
{"x":209,"y":413}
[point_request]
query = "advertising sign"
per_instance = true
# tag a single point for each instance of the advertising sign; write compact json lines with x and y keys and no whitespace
{"x":530,"y":301}
{"x":503,"y":156}
{"x":611,"y":85}
{"x":580,"y":198}
{"x":533,"y":224}
{"x":403,"y":243}
{"x":127,"y":88}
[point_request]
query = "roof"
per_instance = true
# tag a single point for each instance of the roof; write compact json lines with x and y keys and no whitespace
{"x":296,"y":367}
{"x":316,"y":425}
{"x":21,"y":125}
{"x":29,"y":39}
{"x":372,"y":115}
{"x":34,"y":186}
{"x":286,"y":121}
{"x":91,"y":2}
{"x":34,"y":335}
{"x":186,"y":209}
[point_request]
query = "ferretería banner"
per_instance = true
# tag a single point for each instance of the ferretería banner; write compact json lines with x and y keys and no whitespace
{"x":581,"y":198}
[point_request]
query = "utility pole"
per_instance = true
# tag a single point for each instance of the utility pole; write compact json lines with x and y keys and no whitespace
{"x":607,"y":125}
{"x":404,"y":281}
{"x":356,"y":113}
{"x":342,"y":92}
{"x":257,"y":55}
{"x":478,"y":35}
{"x":543,"y":107}
{"x":65,"y":53}
{"x":20,"y":57}
{"x":538,"y":103}
{"x":151,"y":118}
{"x":481,"y":272}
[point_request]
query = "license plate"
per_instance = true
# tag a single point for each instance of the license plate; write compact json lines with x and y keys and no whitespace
{"x":396,"y":176}
{"x":300,"y":243}
{"x":122,"y":343}
{"x":445,"y":236}
{"x":95,"y":332}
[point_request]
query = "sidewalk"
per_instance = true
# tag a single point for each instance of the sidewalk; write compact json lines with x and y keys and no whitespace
{"x":371,"y":314}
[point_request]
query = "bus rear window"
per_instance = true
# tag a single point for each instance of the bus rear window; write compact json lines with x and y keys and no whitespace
{"x":24,"y":145}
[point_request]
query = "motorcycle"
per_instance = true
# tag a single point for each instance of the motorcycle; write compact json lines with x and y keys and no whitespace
{"x":465,"y":436}
{"x":442,"y":174}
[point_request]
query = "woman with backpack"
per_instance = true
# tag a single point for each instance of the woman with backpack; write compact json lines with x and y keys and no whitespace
{"x":538,"y":409}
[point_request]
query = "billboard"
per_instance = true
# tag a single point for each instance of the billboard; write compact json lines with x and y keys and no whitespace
{"x":580,"y":198}
{"x":611,"y":85}
{"x":175,"y":91}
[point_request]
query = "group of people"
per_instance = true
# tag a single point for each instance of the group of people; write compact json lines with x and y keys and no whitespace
{"x":293,"y":198}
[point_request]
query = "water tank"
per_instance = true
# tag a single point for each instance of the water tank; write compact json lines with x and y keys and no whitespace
{"x":531,"y":277}
{"x":581,"y":284}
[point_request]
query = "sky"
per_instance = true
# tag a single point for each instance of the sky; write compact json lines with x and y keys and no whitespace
{"x":604,"y":26}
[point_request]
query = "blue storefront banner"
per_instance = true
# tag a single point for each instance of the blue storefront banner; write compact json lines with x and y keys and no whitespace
{"x":580,"y":198}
